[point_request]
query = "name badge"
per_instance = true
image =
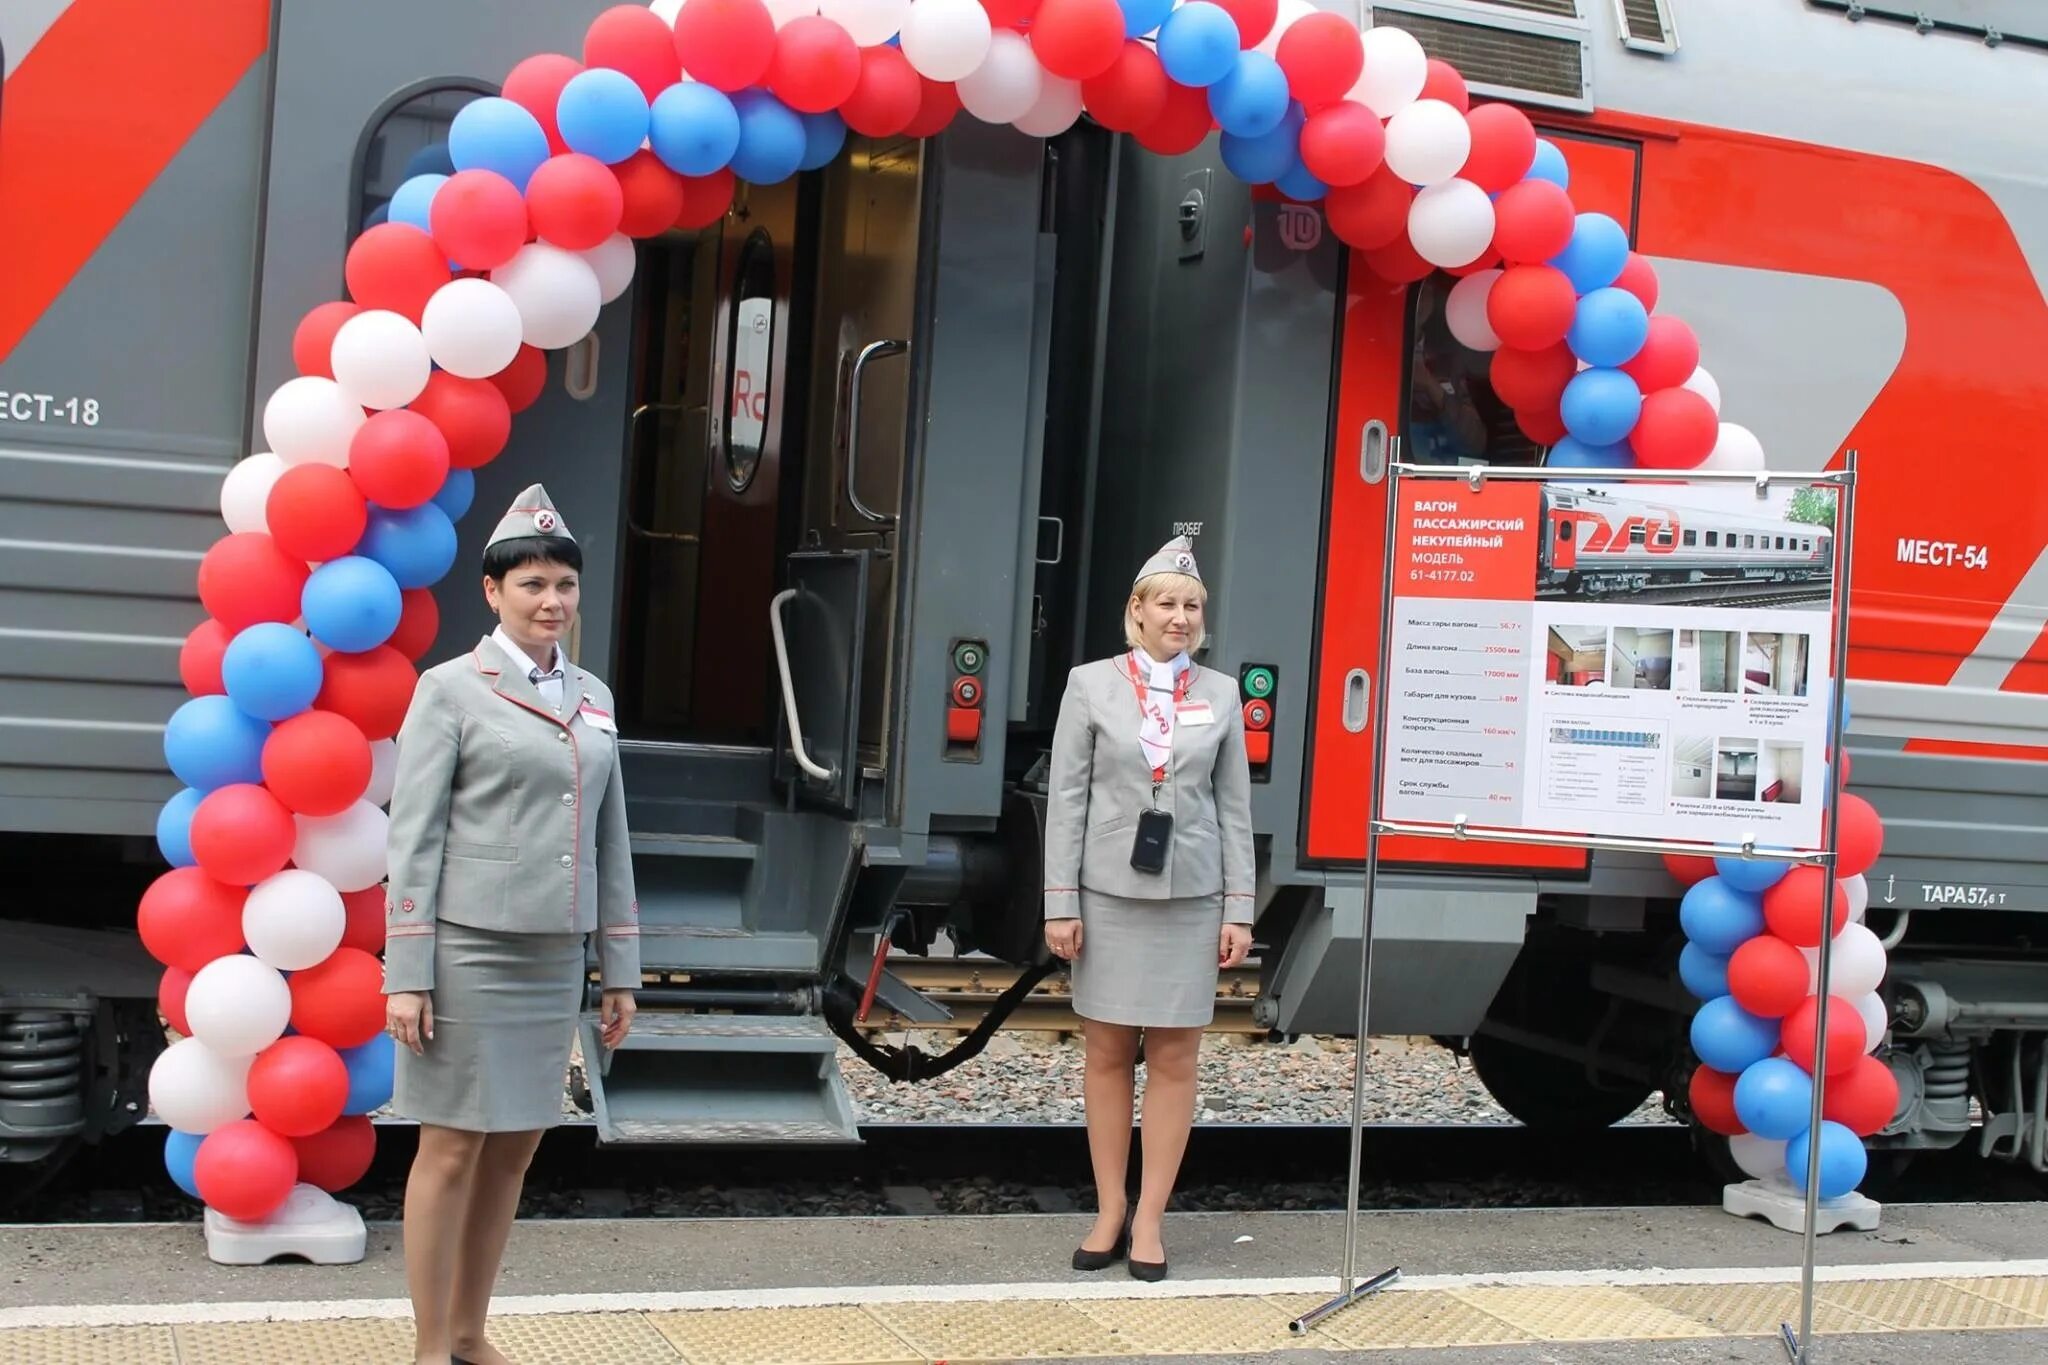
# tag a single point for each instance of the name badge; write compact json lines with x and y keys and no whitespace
{"x":1193,"y":713}
{"x":598,"y":720}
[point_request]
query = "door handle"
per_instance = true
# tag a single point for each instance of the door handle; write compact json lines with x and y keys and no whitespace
{"x":874,"y":350}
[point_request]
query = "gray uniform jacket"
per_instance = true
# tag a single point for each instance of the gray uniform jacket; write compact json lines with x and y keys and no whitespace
{"x":506,"y":816}
{"x":1101,"y":782}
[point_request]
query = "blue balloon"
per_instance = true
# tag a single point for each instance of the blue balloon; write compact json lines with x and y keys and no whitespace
{"x":1572,"y":453}
{"x":693,"y":128}
{"x":413,"y":200}
{"x":1720,"y":917}
{"x":1729,"y":1038}
{"x":1843,"y":1162}
{"x":210,"y":742}
{"x":1198,"y":44}
{"x":824,"y":135}
{"x":494,"y":134}
{"x":271,"y":670}
{"x":376,"y":216}
{"x":352,"y":604}
{"x":1609,"y":327}
{"x":1142,"y":16}
{"x":602,"y":113}
{"x":432,"y":159}
{"x":1705,"y":974}
{"x":1262,"y":160}
{"x":1300,"y":185}
{"x":180,"y":1151}
{"x":1252,"y":100}
{"x":771,"y":139}
{"x":1596,"y":253}
{"x":456,"y":495}
{"x":174,"y":828}
{"x":1752,"y":875}
{"x":1600,"y":407}
{"x":369,"y":1075}
{"x":1774,"y":1098}
{"x":417,"y":544}
{"x":1549,"y":165}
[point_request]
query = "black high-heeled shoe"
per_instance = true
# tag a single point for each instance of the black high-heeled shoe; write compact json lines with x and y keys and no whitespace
{"x":1084,"y":1259}
{"x":1149,"y":1271}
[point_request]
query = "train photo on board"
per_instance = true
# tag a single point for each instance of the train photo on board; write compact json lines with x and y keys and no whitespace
{"x":1595,"y":543}
{"x":861,"y":466}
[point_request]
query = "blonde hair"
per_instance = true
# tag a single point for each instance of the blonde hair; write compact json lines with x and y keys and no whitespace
{"x":1149,"y":587}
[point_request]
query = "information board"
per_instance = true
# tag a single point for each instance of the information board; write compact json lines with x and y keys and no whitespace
{"x":1637,"y":660}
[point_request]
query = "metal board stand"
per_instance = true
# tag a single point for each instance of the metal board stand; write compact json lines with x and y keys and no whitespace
{"x":1351,"y":1289}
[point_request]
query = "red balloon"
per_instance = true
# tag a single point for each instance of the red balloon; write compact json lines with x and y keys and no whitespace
{"x":242,"y":834}
{"x":373,"y":689}
{"x":419,"y":621}
{"x":365,"y":911}
{"x":653,"y":194}
{"x":1767,"y":976}
{"x":1531,"y":306}
{"x":1009,"y":13}
{"x":1343,"y":144}
{"x":1371,"y":213}
{"x":816,"y":64}
{"x":315,"y":511}
{"x":1847,"y":1038}
{"x":187,"y":919}
{"x":1640,"y":279}
{"x":1677,"y":430}
{"x":1503,"y":146}
{"x":1713,"y":1101}
{"x":170,"y":998}
{"x":338,"y":1156}
{"x":395,"y":266}
{"x":574,"y":201}
{"x":246,"y":579}
{"x":1078,"y":39}
{"x":706,"y":198}
{"x":1444,"y":83}
{"x":398,"y":459}
{"x":1397,"y":262}
{"x":472,"y":414}
{"x":479,"y":218}
{"x":635,"y":40}
{"x":535,"y":85}
{"x":297,"y":1086}
{"x":1487,"y":260}
{"x":1528,"y":380}
{"x":244,"y":1170}
{"x":885,"y":95}
{"x":727,"y":44}
{"x":1181,"y":123}
{"x":340,"y":1001}
{"x":1532,"y":221}
{"x":1792,"y":908}
{"x":1687,"y":870}
{"x":1859,"y":835}
{"x":522,"y":381}
{"x":1545,"y":425}
{"x":1322,"y":56}
{"x":199,"y":659}
{"x":937,"y":102}
{"x":1254,"y":18}
{"x":1669,"y":356}
{"x":317,"y":763}
{"x":1863,"y":1098}
{"x":314,"y":339}
{"x":1130,"y":92}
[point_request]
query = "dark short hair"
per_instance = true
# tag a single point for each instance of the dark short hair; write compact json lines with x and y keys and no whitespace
{"x":507,"y":555}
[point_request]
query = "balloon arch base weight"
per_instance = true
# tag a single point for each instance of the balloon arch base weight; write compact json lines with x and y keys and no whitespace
{"x":1784,"y":1208}
{"x":311,"y":1226}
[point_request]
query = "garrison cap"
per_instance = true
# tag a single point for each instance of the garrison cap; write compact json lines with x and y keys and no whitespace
{"x":532,"y":514}
{"x":1175,"y":556}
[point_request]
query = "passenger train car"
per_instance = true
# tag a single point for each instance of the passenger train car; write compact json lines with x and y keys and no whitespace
{"x":1595,"y":543}
{"x":915,"y":417}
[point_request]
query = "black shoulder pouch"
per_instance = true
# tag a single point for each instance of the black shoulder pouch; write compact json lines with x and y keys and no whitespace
{"x":1154,"y":838}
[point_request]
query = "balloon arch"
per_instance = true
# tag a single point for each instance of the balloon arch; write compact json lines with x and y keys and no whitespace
{"x":300,"y":677}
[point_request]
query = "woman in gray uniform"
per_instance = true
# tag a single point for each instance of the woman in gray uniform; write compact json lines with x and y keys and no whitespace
{"x":508,"y":848}
{"x":1148,"y":886}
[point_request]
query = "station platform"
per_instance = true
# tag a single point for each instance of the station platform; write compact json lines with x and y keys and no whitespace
{"x":1955,"y":1283}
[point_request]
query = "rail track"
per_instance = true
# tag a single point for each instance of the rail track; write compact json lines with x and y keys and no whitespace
{"x":1714,"y":594}
{"x":968,"y":987}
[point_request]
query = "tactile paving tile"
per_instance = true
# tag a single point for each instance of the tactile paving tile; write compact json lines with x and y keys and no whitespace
{"x":783,"y":1336}
{"x":88,"y":1346}
{"x":295,"y":1343}
{"x":1582,"y":1313}
{"x":1753,"y":1310}
{"x":1400,"y":1318}
{"x":956,"y":1332}
{"x":2023,"y":1293}
{"x":1195,"y":1326}
{"x":1921,"y":1305}
{"x":581,"y":1338}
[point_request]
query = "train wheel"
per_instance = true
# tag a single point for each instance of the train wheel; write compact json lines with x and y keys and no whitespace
{"x":1551,"y":1093}
{"x":1548,"y":997}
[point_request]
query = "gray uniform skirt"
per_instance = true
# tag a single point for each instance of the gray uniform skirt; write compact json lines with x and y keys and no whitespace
{"x":1148,"y":963}
{"x":505,"y":1008}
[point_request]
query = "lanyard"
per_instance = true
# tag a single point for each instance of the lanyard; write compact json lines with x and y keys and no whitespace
{"x":1146,"y":705}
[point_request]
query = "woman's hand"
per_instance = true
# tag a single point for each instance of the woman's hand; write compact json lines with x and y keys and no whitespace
{"x":1235,"y":944}
{"x":409,"y":1017}
{"x":615,"y":1012}
{"x":1063,"y":936}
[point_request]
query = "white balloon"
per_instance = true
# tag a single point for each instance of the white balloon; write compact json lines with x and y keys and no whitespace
{"x":1451,"y":223}
{"x":1703,"y":384}
{"x":666,"y":10}
{"x":1006,"y":84}
{"x":195,"y":1089}
{"x":380,"y":359}
{"x":383,"y":771}
{"x":238,"y":1005}
{"x":945,"y":40}
{"x":346,"y":849}
{"x":293,"y":920}
{"x":1759,"y":1157}
{"x":1736,"y":448}
{"x":613,"y":260}
{"x":556,"y":292}
{"x":1857,"y":892}
{"x":1876,"y":1019}
{"x":1428,"y":141}
{"x":1291,"y":13}
{"x":310,"y":420}
{"x":1465,"y":311}
{"x":472,"y":328}
{"x":1058,"y":106}
{"x":245,"y":492}
{"x":1396,"y":69}
{"x":870,"y":23}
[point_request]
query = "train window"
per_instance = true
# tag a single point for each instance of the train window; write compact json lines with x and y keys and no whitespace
{"x":1692,"y":537}
{"x":1713,"y":539}
{"x":1749,"y":542}
{"x":1452,"y":414}
{"x":409,"y":138}
{"x":1663,"y":536}
{"x":749,"y":360}
{"x":1636,"y":536}
{"x":1564,"y":532}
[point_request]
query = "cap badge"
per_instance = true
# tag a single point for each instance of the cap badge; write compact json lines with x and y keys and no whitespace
{"x":544,"y":521}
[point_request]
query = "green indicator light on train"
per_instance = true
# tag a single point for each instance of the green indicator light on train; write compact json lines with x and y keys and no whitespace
{"x":1258,"y":682}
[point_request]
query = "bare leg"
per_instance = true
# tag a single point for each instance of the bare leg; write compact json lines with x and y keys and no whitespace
{"x":436,"y":1204}
{"x":1107,"y":1082}
{"x":1169,"y":1113}
{"x":493,"y":1204}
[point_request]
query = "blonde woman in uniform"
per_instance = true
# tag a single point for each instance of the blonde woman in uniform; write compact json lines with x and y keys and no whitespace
{"x":508,"y":848}
{"x":1149,"y":887}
